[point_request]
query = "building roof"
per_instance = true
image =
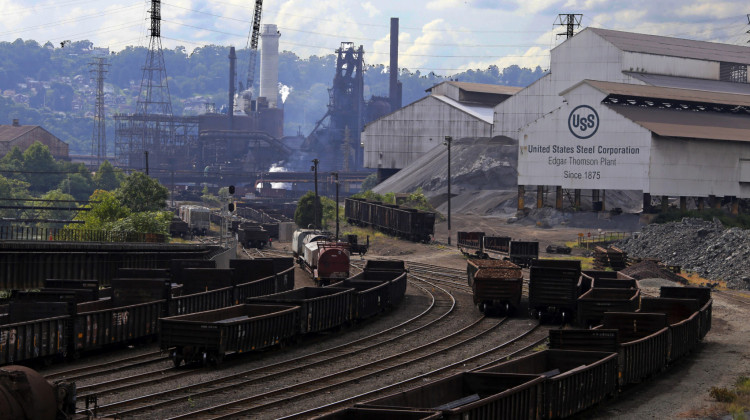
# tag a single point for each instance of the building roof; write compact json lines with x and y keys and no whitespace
{"x":675,"y":47}
{"x":485,"y":88}
{"x":484,"y":113}
{"x":691,"y":83}
{"x":12,"y":132}
{"x":688,"y":124}
{"x":667,"y":93}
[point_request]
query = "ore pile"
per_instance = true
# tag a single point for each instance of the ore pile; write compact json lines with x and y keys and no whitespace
{"x":651,"y":270}
{"x":706,"y":248}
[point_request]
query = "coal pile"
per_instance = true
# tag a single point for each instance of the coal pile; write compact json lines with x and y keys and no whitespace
{"x":706,"y":248}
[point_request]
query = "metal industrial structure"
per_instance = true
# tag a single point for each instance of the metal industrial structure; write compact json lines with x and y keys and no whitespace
{"x":99,"y":136}
{"x":626,"y":111}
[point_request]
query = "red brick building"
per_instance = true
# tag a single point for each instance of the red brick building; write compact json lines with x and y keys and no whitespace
{"x":24,"y":136}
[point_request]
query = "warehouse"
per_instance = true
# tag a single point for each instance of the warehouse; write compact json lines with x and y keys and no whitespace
{"x":622,"y":111}
{"x":456,"y":109}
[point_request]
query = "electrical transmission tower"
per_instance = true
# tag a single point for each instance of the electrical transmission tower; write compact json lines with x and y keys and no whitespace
{"x":99,"y":137}
{"x":154,"y":107}
{"x":570,"y":21}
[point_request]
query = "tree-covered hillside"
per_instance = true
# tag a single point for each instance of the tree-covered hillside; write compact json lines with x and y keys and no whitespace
{"x":52,"y":86}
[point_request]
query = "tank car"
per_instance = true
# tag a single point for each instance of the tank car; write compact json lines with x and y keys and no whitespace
{"x":26,"y":395}
{"x":328,"y":262}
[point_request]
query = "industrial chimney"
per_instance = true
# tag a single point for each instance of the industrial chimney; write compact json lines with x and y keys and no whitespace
{"x":269,"y":64}
{"x":394,"y":91}
{"x":232,"y":75}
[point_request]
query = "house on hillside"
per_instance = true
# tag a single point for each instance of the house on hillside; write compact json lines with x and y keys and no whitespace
{"x":24,"y":136}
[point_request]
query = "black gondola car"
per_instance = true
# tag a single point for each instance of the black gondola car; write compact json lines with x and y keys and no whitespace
{"x":554,"y":287}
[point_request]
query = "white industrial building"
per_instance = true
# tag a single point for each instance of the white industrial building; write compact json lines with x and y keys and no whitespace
{"x":456,"y":109}
{"x":624,"y":111}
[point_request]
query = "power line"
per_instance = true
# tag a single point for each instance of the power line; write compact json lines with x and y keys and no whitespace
{"x":63,"y":22}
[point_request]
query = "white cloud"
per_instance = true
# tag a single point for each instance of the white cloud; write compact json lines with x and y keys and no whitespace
{"x":445,"y":4}
{"x":371,"y":10}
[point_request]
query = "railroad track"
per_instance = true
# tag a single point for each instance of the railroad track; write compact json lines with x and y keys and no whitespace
{"x":267,"y":403}
{"x":736,"y":296}
{"x":437,"y":310}
{"x":90,"y":370}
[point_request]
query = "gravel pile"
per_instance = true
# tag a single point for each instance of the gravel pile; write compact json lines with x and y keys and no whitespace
{"x":706,"y":248}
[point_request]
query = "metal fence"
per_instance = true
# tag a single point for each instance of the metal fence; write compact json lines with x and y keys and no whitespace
{"x":30,"y":233}
{"x":597,"y":238}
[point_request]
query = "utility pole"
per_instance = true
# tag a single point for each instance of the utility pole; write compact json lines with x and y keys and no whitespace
{"x":448,"y":140}
{"x":570,"y":21}
{"x":336,"y":177}
{"x":145,"y":159}
{"x":99,"y":136}
{"x":316,"y":224}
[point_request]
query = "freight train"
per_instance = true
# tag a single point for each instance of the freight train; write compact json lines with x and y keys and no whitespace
{"x":273,"y":319}
{"x":67,"y":318}
{"x":581,"y":368}
{"x":414,"y":225}
{"x":326,"y":260}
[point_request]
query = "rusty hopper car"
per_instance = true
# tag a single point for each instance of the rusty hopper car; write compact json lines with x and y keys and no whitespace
{"x":470,"y":243}
{"x":640,"y":339}
{"x":684,"y":322}
{"x":498,"y":288}
{"x":575,"y":380}
{"x":610,"y":279}
{"x":473,"y":395}
{"x":321,"y":308}
{"x":472,"y":265}
{"x":702,"y":294}
{"x":554,"y":287}
{"x":593,"y":304}
{"x":210,"y":336}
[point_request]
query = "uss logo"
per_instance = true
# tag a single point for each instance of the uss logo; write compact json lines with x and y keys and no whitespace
{"x":583,"y":121}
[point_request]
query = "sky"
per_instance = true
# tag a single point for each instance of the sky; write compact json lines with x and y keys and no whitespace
{"x":442,"y":36}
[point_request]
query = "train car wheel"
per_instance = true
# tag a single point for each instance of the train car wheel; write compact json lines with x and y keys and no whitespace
{"x":177,"y":360}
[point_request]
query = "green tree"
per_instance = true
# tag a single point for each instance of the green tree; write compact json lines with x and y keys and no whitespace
{"x":78,"y":185}
{"x":144,"y":222}
{"x":15,"y":190}
{"x":107,"y":177}
{"x":105,"y":209}
{"x":370,"y":182}
{"x":304,"y":214}
{"x":55,"y":214}
{"x":42,"y":170}
{"x":140,"y":193}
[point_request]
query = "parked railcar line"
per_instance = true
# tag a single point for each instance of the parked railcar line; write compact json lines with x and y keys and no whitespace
{"x":377,"y":367}
{"x":418,"y":323}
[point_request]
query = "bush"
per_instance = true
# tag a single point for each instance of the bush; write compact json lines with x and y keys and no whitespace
{"x":722,"y":394}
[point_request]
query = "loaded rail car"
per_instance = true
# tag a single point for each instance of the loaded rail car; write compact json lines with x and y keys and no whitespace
{"x":473,"y":395}
{"x":253,"y":236}
{"x":554,"y":287}
{"x":473,"y":265}
{"x":210,"y":336}
{"x":471,"y":243}
{"x":640,"y":339}
{"x":321,"y":308}
{"x":684,"y":322}
{"x":498,"y":288}
{"x":702,"y":294}
{"x":594,"y":303}
{"x":575,"y":380}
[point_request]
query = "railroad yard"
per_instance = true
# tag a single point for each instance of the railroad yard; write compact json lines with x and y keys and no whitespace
{"x":435,"y":332}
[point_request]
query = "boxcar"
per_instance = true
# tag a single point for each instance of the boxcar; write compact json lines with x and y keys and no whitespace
{"x":683,"y":316}
{"x":554,"y":287}
{"x":575,"y":380}
{"x":212,"y":335}
{"x":702,"y":294}
{"x":594,"y":303}
{"x":321,"y":308}
{"x":498,"y":288}
{"x":473,"y":396}
{"x":641,"y":341}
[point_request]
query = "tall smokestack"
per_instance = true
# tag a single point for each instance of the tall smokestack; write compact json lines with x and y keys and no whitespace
{"x":394,"y":90}
{"x":269,"y":64}
{"x":232,"y":75}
